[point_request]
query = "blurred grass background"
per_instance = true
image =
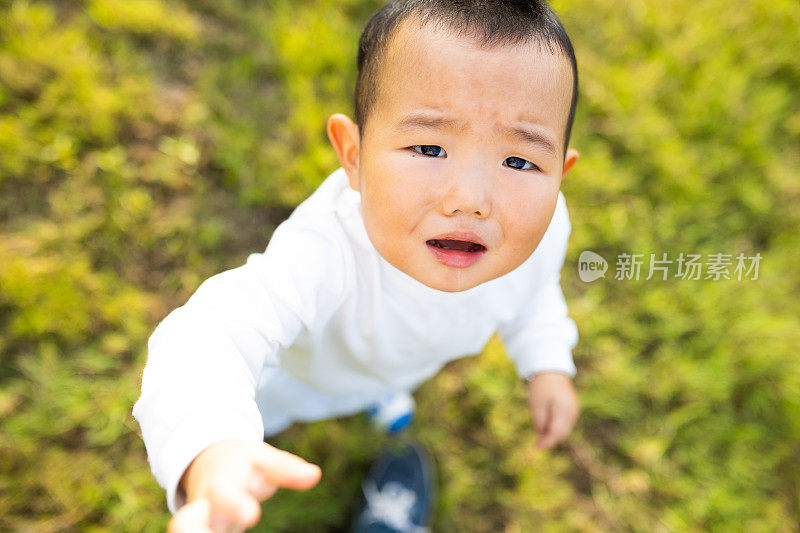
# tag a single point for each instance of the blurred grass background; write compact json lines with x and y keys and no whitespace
{"x":146,"y":145}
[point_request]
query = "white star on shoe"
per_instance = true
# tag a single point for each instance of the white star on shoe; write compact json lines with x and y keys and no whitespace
{"x":391,"y":506}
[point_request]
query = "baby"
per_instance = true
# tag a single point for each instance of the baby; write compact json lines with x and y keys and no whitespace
{"x":443,"y":225}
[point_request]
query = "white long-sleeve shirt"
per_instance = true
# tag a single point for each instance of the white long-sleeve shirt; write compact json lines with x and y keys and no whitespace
{"x":320,"y":325}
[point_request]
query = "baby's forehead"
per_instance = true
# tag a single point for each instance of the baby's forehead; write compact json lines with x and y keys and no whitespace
{"x":412,"y":30}
{"x":412,"y":35}
{"x":438,"y":59}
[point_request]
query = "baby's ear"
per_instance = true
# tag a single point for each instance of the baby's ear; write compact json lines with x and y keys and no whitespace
{"x":344,"y":137}
{"x":570,"y":159}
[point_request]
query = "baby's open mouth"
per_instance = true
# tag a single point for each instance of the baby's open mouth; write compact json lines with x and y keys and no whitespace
{"x":462,"y":246}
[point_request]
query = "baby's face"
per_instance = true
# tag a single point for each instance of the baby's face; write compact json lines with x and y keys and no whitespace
{"x":462,"y":156}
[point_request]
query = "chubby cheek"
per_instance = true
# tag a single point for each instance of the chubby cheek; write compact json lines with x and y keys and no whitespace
{"x":389,"y":206}
{"x":526,"y":221}
{"x":396,"y":197}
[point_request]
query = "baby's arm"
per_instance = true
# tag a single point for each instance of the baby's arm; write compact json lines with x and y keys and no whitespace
{"x":540,"y":345}
{"x":541,"y":338}
{"x":205,"y":358}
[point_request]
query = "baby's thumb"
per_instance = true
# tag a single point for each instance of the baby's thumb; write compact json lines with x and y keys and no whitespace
{"x":284,"y":469}
{"x":194,"y":517}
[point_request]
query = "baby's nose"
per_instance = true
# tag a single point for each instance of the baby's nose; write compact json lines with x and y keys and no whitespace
{"x":469,"y":193}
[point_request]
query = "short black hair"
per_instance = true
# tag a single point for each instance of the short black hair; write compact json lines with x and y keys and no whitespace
{"x":492,"y":22}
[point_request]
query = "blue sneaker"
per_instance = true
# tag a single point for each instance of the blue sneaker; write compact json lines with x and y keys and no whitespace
{"x":397,"y":495}
{"x":393,"y":413}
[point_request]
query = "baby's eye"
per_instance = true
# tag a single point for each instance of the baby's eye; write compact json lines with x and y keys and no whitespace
{"x":519,"y":163}
{"x":430,"y":150}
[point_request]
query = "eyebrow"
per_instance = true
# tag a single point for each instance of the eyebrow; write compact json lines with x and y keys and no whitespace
{"x":532,"y":137}
{"x":427,"y":121}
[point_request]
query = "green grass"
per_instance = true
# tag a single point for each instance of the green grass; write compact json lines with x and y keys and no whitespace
{"x":148,"y":144}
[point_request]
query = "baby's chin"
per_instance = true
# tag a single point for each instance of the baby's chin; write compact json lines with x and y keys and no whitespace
{"x":437,"y":276}
{"x":464,"y":284}
{"x":466,"y":279}
{"x":456,"y":289}
{"x":457,"y":280}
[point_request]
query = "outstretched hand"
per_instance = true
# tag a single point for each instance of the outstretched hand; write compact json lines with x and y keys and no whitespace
{"x":554,"y":407}
{"x":226,"y":482}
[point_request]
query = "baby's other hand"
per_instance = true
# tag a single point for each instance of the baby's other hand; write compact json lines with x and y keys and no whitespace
{"x":554,"y":407}
{"x":225,"y":483}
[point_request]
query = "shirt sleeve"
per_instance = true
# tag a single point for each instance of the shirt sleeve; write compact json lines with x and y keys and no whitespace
{"x":541,"y":337}
{"x":205,"y":358}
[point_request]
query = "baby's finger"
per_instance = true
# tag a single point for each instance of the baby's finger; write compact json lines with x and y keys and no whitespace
{"x":561,"y":424}
{"x":234,"y":509}
{"x":259,"y":487}
{"x":547,"y":440}
{"x":286,"y":470}
{"x":193,"y":517}
{"x":541,"y":416}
